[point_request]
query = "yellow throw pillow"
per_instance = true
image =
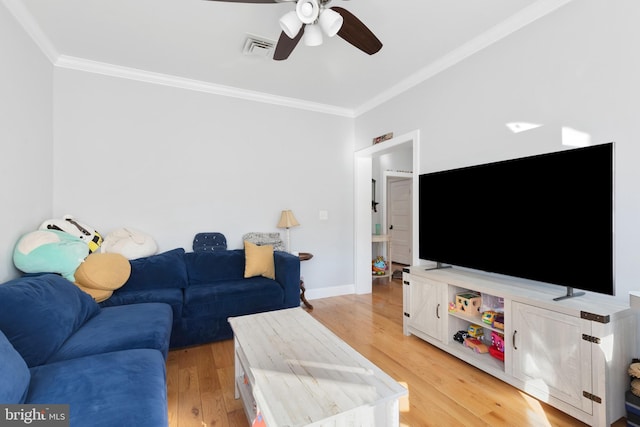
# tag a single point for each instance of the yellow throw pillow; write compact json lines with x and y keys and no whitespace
{"x":258,"y":261}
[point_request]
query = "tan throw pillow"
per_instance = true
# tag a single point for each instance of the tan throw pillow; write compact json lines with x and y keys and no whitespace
{"x":258,"y":261}
{"x":105,"y":272}
{"x":98,"y":295}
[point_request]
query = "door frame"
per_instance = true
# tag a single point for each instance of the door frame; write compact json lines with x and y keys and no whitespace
{"x":362,"y":200}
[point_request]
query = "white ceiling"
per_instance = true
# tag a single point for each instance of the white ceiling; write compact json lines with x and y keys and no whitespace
{"x":203,"y":40}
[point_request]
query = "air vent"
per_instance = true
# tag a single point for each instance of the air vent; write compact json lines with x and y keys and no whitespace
{"x":258,"y":46}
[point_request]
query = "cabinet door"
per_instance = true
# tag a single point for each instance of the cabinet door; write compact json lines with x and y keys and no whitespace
{"x":426,"y":307}
{"x":550,"y":356}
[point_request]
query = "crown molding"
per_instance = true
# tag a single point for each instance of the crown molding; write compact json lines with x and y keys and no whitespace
{"x":24,"y":18}
{"x":112,"y":70}
{"x":515,"y":22}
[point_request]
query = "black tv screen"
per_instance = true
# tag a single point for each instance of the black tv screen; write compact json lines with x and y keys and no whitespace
{"x":547,"y":218}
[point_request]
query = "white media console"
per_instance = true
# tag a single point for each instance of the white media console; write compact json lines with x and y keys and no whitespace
{"x":572,"y":354}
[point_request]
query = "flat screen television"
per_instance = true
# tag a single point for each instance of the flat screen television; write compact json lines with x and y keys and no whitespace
{"x":547,"y":218}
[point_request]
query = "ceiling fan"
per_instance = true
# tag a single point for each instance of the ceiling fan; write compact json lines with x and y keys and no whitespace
{"x":311,"y":19}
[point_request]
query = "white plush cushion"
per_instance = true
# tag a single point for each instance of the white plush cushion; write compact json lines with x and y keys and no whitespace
{"x":130,"y":243}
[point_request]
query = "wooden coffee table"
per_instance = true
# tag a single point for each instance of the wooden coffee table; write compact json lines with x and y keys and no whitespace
{"x":296,"y":372}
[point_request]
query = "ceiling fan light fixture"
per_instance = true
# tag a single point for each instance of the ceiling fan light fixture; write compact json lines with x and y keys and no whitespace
{"x":290,"y":24}
{"x":312,"y":35}
{"x":330,"y":21}
{"x":308,"y":10}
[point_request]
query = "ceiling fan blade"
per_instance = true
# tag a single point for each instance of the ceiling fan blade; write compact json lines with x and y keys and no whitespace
{"x":356,"y":33}
{"x":286,"y":45}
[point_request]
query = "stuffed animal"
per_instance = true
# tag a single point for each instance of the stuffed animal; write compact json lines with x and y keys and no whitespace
{"x":49,"y":251}
{"x":130,"y":243}
{"x":379,"y":266}
{"x":70,"y":225}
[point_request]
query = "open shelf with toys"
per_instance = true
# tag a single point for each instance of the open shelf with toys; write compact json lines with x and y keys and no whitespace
{"x":476,"y":323}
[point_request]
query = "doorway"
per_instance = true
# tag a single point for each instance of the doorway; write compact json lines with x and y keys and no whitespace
{"x":363,"y":224}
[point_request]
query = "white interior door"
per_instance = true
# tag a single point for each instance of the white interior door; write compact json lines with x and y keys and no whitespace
{"x":399,"y":204}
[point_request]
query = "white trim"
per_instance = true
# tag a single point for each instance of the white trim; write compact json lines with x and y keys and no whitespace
{"x":362,"y":202}
{"x":87,"y":65}
{"x":515,"y":22}
{"x":333,"y":291}
{"x":26,"y":20}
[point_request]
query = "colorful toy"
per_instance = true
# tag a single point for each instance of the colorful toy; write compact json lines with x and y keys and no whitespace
{"x":488,"y":316}
{"x":476,"y":345}
{"x":70,"y":225}
{"x":494,"y":352}
{"x":497,"y":345}
{"x":460,"y":336}
{"x":50,"y":251}
{"x":452,"y":307}
{"x":379,"y":266}
{"x":258,"y":421}
{"x":468,"y":302}
{"x":497,"y":341}
{"x":475,"y":331}
{"x":498,"y":322}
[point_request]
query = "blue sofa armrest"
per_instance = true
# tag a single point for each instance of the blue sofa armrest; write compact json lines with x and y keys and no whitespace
{"x":288,"y":276}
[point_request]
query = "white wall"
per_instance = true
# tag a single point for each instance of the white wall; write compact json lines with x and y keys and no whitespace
{"x":173,"y":162}
{"x":25,"y":137}
{"x":576,"y":68}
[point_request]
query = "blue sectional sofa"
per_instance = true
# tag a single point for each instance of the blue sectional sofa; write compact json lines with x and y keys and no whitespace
{"x":57,"y":346}
{"x":206,"y":288}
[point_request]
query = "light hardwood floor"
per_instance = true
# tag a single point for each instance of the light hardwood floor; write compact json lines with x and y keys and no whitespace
{"x":443,"y":391}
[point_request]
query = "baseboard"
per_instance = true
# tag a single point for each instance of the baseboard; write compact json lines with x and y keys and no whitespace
{"x":330,"y":292}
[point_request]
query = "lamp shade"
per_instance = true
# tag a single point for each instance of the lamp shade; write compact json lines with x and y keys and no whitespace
{"x":308,"y":10}
{"x":330,"y":21}
{"x":290,"y":24}
{"x":312,"y":35}
{"x":287,"y":220}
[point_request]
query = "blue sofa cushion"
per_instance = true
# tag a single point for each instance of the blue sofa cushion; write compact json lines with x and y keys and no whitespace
{"x":165,"y":270}
{"x":232,"y":298}
{"x":14,"y":373}
{"x":288,"y":275}
{"x":173,"y":297}
{"x":123,"y":388}
{"x":200,"y":330}
{"x":120,"y":328}
{"x":207,"y":267}
{"x":39,"y":313}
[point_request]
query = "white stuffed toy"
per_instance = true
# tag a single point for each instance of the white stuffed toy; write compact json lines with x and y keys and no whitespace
{"x":70,"y":225}
{"x":130,"y":243}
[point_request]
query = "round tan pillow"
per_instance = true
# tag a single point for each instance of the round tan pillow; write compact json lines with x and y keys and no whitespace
{"x":103,"y":271}
{"x":97,"y":294}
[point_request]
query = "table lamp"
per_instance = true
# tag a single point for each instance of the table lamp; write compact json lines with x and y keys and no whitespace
{"x":287,"y":220}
